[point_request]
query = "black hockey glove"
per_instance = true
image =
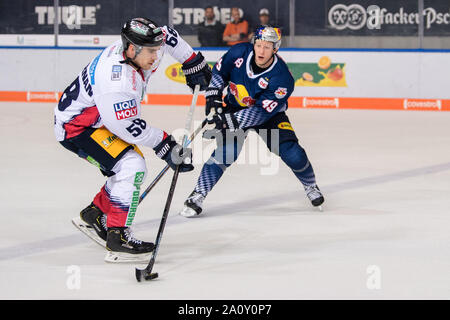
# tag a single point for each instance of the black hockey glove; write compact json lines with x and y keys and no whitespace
{"x":213,"y":101}
{"x":224,"y":121}
{"x":197,"y":71}
{"x":174,"y":154}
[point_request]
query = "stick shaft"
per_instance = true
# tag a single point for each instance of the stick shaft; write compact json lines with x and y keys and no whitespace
{"x":163,"y":219}
{"x":190,"y":117}
{"x":163,"y":171}
{"x":173,"y":183}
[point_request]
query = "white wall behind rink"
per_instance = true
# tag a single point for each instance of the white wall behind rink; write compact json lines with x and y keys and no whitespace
{"x":419,"y":75}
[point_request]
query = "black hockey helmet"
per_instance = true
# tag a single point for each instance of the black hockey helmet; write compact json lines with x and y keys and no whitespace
{"x":141,"y":32}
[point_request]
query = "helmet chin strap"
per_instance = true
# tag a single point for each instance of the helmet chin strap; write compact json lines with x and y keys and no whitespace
{"x":130,"y":61}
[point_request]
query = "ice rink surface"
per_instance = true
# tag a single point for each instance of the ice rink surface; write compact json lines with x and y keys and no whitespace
{"x":384,"y":232}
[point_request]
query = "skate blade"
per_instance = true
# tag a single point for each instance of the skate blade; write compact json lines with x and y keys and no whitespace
{"x":89,"y":231}
{"x":188,"y":212}
{"x":122,"y":257}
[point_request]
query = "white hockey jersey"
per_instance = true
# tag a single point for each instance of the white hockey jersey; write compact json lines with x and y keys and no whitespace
{"x":108,"y":93}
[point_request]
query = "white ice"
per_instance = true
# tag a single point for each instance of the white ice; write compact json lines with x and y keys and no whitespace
{"x":384,"y":232}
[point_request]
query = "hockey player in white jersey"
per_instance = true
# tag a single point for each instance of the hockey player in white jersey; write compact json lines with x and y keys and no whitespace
{"x":98,"y":117}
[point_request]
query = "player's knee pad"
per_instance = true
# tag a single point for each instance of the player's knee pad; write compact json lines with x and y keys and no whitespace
{"x":131,"y":167}
{"x":293,"y":155}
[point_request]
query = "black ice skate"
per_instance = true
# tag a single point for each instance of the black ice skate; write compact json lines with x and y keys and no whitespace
{"x":315,"y":196}
{"x":92,"y":222}
{"x":124,"y":247}
{"x":192,"y":205}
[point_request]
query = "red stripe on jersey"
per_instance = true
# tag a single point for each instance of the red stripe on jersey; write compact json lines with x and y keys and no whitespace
{"x":190,"y":58}
{"x":142,"y":74}
{"x":79,"y":123}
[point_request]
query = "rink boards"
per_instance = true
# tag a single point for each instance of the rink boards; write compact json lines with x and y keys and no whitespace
{"x":343,"y":79}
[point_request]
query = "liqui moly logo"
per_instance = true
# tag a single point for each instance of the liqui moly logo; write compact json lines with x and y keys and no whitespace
{"x":125,"y":109}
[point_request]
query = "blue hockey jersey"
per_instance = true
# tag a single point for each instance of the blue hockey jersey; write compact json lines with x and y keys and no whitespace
{"x":257,"y":97}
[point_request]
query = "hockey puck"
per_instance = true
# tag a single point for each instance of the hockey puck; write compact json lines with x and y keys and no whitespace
{"x":151,"y":276}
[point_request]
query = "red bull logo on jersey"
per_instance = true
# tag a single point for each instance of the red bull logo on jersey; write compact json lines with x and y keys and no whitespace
{"x":241,"y":95}
{"x":125,"y":109}
{"x":280,"y":93}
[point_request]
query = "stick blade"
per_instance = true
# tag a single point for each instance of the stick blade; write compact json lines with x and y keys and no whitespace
{"x":142,"y":275}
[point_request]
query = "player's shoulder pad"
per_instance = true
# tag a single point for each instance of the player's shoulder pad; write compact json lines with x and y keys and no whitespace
{"x":281,"y":82}
{"x":117,"y":77}
{"x":241,"y":49}
{"x":166,"y":29}
{"x":105,"y":71}
{"x":169,"y":32}
{"x":283,"y":67}
{"x":282,"y":74}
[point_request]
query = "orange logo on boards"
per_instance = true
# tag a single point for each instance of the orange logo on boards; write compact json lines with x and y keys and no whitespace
{"x":422,"y":104}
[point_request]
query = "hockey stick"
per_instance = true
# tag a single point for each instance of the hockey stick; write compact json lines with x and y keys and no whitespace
{"x":187,"y":127}
{"x":186,"y":142}
{"x":164,"y":170}
{"x":190,"y":116}
{"x":146,"y":274}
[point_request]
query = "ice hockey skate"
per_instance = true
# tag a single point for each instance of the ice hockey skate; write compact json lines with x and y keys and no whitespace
{"x":315,"y":196}
{"x":124,"y":247}
{"x":92,"y":222}
{"x":193,"y":205}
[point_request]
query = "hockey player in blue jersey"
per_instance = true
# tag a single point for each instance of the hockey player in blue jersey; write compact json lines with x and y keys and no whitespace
{"x":259,"y":85}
